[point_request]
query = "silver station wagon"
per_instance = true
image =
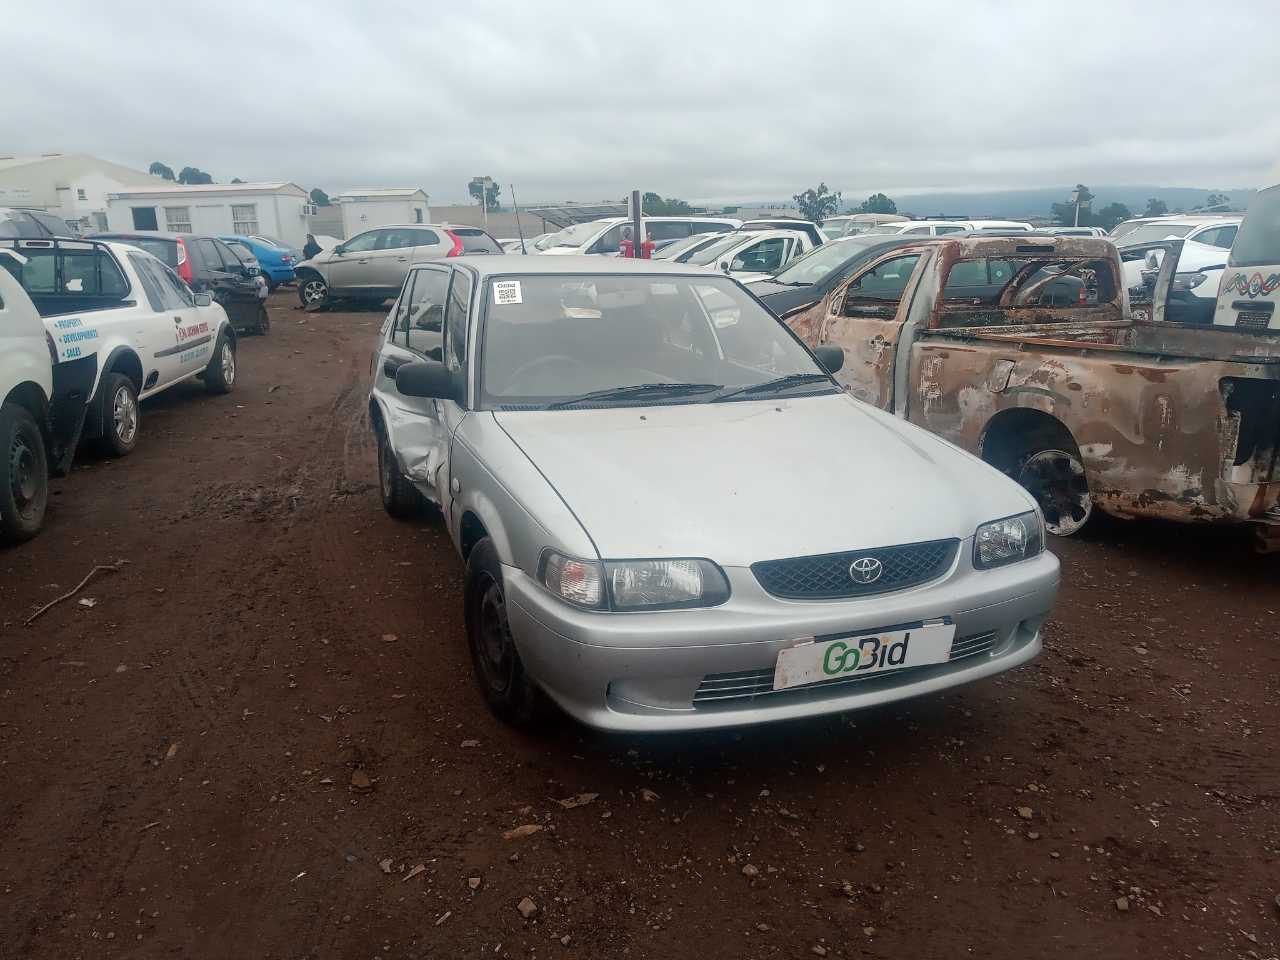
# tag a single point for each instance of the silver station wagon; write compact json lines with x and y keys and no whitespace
{"x":671,"y":515}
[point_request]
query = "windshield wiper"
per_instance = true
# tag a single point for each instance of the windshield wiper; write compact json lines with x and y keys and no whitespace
{"x":773,"y":386}
{"x":637,"y":391}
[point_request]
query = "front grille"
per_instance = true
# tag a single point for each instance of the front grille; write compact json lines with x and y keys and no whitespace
{"x":731,"y":689}
{"x":828,"y":577}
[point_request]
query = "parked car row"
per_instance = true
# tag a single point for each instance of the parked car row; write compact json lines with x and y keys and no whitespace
{"x":88,"y":328}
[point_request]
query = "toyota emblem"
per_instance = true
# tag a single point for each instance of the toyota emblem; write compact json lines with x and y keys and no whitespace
{"x":865,"y":570}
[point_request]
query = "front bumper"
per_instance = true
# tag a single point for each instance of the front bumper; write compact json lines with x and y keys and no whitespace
{"x":643,"y":671}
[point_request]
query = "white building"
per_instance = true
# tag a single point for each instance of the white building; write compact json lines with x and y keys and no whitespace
{"x":364,"y":209}
{"x":72,"y":186}
{"x":276,"y":210}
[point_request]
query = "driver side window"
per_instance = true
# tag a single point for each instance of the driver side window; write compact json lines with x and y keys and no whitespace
{"x":362,"y":243}
{"x":876,"y":293}
{"x":420,"y":317}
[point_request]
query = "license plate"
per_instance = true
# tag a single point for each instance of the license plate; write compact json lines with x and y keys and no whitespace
{"x":861,"y":655}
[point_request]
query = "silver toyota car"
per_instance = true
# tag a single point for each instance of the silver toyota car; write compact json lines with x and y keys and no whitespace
{"x":672,"y":517}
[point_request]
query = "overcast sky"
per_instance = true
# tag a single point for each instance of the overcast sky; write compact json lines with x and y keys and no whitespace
{"x":701,"y":100}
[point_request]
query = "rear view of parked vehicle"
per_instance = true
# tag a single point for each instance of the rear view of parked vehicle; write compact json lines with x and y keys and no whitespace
{"x":208,"y":265}
{"x":274,"y":263}
{"x":371,"y":266}
{"x":604,"y":237}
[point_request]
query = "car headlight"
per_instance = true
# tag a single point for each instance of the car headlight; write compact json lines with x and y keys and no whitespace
{"x":624,"y":585}
{"x":1008,"y":541}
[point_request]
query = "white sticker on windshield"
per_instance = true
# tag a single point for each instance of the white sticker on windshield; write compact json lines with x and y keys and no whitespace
{"x":507,"y":291}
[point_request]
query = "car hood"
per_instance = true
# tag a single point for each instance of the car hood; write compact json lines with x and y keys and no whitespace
{"x":739,"y":482}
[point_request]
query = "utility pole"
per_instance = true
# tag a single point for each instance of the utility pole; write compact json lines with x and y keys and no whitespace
{"x":637,"y":226}
{"x":1075,"y":198}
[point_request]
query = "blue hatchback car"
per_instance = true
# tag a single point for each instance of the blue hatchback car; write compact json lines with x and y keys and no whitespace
{"x":275,"y":263}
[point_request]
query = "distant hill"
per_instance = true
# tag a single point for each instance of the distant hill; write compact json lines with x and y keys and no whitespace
{"x":1020,"y":204}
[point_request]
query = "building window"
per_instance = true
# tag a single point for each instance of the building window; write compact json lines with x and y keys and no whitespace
{"x":80,"y":194}
{"x":178,"y":219}
{"x":244,"y":219}
{"x":99,"y":220}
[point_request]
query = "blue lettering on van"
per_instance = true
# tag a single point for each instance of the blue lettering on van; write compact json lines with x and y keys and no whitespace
{"x":79,"y":335}
{"x":68,"y":323}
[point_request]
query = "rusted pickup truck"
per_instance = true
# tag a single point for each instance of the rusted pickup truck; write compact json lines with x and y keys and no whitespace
{"x":1027,"y":352}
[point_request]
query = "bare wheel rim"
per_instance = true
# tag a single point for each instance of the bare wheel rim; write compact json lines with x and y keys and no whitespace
{"x":228,"y":360}
{"x":1057,"y":480}
{"x":313,"y":291}
{"x":124,"y":414}
{"x":493,"y":640}
{"x":386,"y":474}
{"x":24,"y":482}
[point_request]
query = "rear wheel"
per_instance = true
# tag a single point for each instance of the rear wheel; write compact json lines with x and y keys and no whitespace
{"x":1057,"y":480}
{"x":220,"y":374}
{"x":509,"y":690}
{"x":24,"y":475}
{"x":121,"y":419}
{"x":312,"y":290}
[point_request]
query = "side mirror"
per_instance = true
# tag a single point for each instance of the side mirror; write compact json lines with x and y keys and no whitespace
{"x":724,"y":266}
{"x":339,"y":250}
{"x":427,"y":378}
{"x":204,"y":299}
{"x":831,"y":358}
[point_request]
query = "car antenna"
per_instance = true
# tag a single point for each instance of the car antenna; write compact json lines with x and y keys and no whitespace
{"x":519,"y":229}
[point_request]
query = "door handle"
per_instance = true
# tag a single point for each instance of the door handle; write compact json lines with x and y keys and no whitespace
{"x":392,"y":364}
{"x":403,"y":259}
{"x":362,"y":261}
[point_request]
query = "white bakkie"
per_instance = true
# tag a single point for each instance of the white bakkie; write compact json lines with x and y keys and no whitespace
{"x":115,"y":325}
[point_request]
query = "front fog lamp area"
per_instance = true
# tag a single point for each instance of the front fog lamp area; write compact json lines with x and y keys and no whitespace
{"x":1008,"y":540}
{"x":635,"y":584}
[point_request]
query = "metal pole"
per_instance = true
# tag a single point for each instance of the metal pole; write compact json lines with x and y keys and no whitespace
{"x":519,"y":229}
{"x":637,"y":225}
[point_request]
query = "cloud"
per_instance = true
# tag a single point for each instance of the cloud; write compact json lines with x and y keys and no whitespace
{"x":706,"y":101}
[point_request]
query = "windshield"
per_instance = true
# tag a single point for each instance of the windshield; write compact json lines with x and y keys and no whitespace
{"x":550,"y":339}
{"x":1258,"y":241}
{"x":576,"y":235}
{"x":1151,"y":232}
{"x":677,"y":247}
{"x":708,"y":253}
{"x":820,"y":261}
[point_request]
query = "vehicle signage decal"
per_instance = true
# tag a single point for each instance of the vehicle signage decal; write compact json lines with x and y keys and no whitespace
{"x":71,"y":338}
{"x":1254,"y":286}
{"x":870,"y":653}
{"x":507,"y":291}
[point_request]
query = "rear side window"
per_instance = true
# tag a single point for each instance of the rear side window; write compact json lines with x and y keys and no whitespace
{"x":667,"y":230}
{"x":477,"y":241}
{"x":397,"y":238}
{"x":455,"y":318}
{"x":150,"y":283}
{"x":975,"y":289}
{"x":425,"y":238}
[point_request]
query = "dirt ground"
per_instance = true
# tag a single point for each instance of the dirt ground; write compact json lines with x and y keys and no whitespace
{"x":264,"y":741}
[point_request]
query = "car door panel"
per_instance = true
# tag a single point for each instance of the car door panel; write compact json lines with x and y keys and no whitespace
{"x":348,"y":272}
{"x":864,"y":316}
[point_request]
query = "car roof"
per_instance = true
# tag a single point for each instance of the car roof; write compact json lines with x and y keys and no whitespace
{"x":497,"y":265}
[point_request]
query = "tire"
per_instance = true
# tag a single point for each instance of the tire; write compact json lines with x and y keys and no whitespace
{"x":120,"y":417}
{"x":313,"y":291}
{"x":264,"y":321}
{"x":24,"y":475}
{"x":1057,"y":479}
{"x":507,"y":687}
{"x":220,"y":374}
{"x":400,"y":498}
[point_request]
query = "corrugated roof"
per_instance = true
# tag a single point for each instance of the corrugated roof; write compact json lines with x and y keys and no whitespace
{"x":567,"y":214}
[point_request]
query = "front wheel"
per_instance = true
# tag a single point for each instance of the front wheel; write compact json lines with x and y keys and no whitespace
{"x":220,"y":374}
{"x":1056,"y":478}
{"x":312,"y":291}
{"x":399,"y":497}
{"x":121,"y":418}
{"x":24,"y":475}
{"x":509,"y":690}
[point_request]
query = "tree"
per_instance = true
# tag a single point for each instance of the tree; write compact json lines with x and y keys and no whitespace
{"x":1155,"y":208}
{"x":1110,"y":215}
{"x":491,"y":195}
{"x":817,"y":205}
{"x":158,"y":169}
{"x":877,"y":203}
{"x":1217,"y":200}
{"x":654,"y":205}
{"x":1065,"y":214}
{"x":319,"y":197}
{"x":236,"y":180}
{"x":193,"y":175}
